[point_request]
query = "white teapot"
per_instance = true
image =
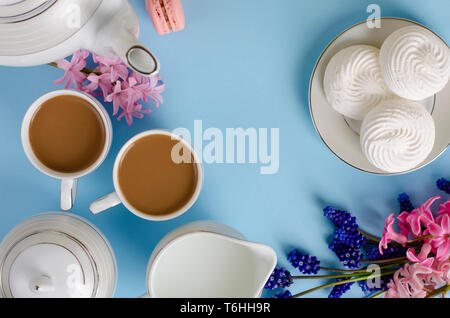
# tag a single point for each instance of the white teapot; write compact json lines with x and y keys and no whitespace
{"x":34,"y":32}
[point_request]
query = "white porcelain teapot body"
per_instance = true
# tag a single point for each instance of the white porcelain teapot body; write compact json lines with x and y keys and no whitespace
{"x":206,"y":259}
{"x":34,"y":32}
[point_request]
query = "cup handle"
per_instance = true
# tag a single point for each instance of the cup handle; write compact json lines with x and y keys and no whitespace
{"x":68,"y":193}
{"x":105,"y":203}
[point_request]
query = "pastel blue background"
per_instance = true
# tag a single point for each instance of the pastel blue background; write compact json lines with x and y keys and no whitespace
{"x":238,"y":63}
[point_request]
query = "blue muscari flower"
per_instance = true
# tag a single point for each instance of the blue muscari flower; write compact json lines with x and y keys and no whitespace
{"x":340,"y":290}
{"x":366,"y":289}
{"x":347,"y":240}
{"x":443,"y":185}
{"x":305,"y":263}
{"x":348,"y":256}
{"x":341,"y":219}
{"x":280,"y":277}
{"x":392,"y":251}
{"x":383,"y":284}
{"x":284,"y":294}
{"x":405,"y":203}
{"x":351,"y":238}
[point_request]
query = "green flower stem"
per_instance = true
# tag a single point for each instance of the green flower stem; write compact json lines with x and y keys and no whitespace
{"x":356,"y":279}
{"x":443,"y":290}
{"x":421,"y":238}
{"x":369,"y":236}
{"x":362,"y":270}
{"x":86,"y":71}
{"x":374,"y":239}
{"x":370,"y":242}
{"x":330,"y":276}
{"x":399,"y":263}
{"x":381,"y":293}
{"x":396,"y":260}
{"x":333,"y":270}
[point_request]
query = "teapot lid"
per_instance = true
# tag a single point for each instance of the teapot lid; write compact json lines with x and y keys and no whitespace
{"x":56,"y":255}
{"x":12,"y":11}
{"x":31,"y":26}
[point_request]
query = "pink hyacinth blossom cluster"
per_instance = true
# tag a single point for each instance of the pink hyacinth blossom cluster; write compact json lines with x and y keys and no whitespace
{"x":429,"y":257}
{"x":125,"y":89}
{"x":417,"y":281}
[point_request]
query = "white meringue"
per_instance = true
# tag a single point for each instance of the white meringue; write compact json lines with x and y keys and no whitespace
{"x":353,"y":81}
{"x":397,"y":135}
{"x":415,"y":63}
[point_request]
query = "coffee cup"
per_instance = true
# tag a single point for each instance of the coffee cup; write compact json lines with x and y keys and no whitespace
{"x":66,"y":134}
{"x":157,"y":176}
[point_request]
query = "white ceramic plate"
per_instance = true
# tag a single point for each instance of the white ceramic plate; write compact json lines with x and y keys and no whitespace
{"x":341,"y":135}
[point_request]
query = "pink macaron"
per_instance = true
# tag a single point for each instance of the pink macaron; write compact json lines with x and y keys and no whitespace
{"x":166,"y":15}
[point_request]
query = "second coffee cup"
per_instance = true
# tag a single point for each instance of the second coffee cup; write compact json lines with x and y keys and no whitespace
{"x":157,"y":176}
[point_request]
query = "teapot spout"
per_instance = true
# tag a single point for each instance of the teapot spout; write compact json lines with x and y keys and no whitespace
{"x":117,"y":36}
{"x":134,"y":53}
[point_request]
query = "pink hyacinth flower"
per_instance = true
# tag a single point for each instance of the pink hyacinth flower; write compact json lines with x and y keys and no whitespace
{"x":99,"y":81}
{"x":113,"y":80}
{"x":421,"y":216}
{"x":114,"y":66}
{"x":133,"y":110}
{"x":415,"y":275}
{"x":422,"y":258}
{"x":390,"y":235}
{"x":73,"y":74}
{"x":149,"y":88}
{"x":444,"y":209}
{"x":130,"y":88}
{"x":392,"y":291}
{"x":118,"y":97}
{"x":409,"y":282}
{"x":438,"y":276}
{"x":405,"y":228}
{"x":441,"y":240}
{"x":444,"y":268}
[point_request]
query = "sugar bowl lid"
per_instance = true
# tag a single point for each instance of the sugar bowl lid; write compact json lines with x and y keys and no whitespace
{"x":56,"y":255}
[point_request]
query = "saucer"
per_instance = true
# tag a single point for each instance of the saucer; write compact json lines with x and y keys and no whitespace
{"x":341,"y":135}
